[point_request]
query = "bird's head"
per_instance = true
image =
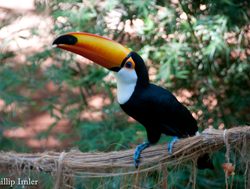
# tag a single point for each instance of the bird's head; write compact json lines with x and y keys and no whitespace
{"x":128,"y":65}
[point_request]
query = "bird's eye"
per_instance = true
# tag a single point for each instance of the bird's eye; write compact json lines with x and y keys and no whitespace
{"x":129,"y":65}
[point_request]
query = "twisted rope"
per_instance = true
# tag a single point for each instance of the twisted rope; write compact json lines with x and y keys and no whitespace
{"x":106,"y":164}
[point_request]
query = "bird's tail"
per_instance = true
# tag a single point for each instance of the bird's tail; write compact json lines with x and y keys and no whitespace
{"x":205,"y":162}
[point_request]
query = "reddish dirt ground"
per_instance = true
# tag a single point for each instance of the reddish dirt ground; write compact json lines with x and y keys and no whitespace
{"x":18,"y":20}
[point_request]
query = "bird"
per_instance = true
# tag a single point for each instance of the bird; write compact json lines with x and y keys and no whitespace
{"x":156,"y":108}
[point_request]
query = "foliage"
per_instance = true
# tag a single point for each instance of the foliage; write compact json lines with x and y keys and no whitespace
{"x":195,"y":46}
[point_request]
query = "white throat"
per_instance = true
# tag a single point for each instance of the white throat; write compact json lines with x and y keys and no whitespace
{"x":126,"y":82}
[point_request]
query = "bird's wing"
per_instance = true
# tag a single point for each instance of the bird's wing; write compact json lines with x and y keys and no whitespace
{"x":173,"y":117}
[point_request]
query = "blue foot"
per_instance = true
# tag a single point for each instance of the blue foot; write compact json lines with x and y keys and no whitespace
{"x":170,"y":145}
{"x":138,"y":151}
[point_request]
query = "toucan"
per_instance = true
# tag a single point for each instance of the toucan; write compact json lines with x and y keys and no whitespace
{"x":156,"y":108}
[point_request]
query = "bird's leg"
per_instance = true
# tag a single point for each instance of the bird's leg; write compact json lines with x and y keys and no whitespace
{"x":138,"y":151}
{"x":171,"y":143}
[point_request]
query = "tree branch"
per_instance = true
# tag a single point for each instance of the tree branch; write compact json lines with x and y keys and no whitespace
{"x":101,"y":164}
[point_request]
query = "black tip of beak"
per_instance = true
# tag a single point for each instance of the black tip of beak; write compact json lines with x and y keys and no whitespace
{"x":65,"y":39}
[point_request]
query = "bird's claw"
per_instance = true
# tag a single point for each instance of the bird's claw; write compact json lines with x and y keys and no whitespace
{"x":136,"y":162}
{"x":171,"y":143}
{"x":138,"y":151}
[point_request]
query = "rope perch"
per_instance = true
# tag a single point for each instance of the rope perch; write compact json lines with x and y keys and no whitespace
{"x":99,"y":164}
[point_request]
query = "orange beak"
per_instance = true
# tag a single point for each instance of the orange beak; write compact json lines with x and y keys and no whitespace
{"x":102,"y":51}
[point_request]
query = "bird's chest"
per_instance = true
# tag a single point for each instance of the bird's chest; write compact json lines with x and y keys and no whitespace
{"x":140,"y":109}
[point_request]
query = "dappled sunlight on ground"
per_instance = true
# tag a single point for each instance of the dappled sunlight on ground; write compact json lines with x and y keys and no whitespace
{"x":19,"y":19}
{"x":95,"y":104}
{"x":98,"y":101}
{"x":37,"y":125}
{"x":26,"y":5}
